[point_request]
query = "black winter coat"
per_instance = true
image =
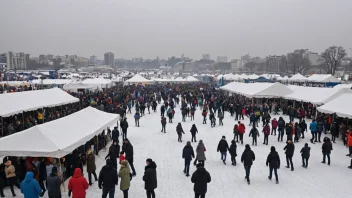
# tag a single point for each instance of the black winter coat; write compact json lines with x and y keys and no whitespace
{"x":108,"y":177}
{"x":247,"y":157}
{"x":188,"y":153}
{"x":305,"y":152}
{"x":290,"y":149}
{"x":115,"y":134}
{"x":128,"y":149}
{"x":124,"y":124}
{"x":233,"y":149}
{"x":194,"y":130}
{"x":273,"y":160}
{"x":114,"y":151}
{"x":223,"y":146}
{"x":327,"y":147}
{"x":42,"y":171}
{"x":149,"y":178}
{"x":200,"y":178}
{"x":254,"y":132}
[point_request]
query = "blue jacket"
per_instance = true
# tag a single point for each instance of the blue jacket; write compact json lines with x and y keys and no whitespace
{"x":30,"y":187}
{"x":313,"y":127}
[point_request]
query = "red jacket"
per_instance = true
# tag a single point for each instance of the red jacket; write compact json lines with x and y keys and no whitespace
{"x":266,"y":130}
{"x":243,"y":111}
{"x":274,"y":124}
{"x":241,"y":128}
{"x":349,"y":139}
{"x":78,"y":184}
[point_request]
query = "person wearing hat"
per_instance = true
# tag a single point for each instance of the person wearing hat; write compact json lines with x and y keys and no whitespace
{"x":289,"y":151}
{"x":30,"y":187}
{"x":200,"y":178}
{"x":187,"y":154}
{"x":53,"y":184}
{"x":108,"y":179}
{"x":77,"y":185}
{"x":223,"y":147}
{"x":247,"y":159}
{"x":273,"y":160}
{"x":149,"y":178}
{"x":125,"y":176}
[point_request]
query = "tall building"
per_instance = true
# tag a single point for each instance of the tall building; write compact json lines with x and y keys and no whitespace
{"x":109,"y":59}
{"x":92,"y":60}
{"x":273,"y":63}
{"x":314,"y":58}
{"x":206,"y":56}
{"x":221,"y":59}
{"x":12,"y":61}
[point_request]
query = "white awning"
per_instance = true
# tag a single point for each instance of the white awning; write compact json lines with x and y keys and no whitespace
{"x":59,"y":137}
{"x":14,"y":103}
{"x":341,"y":105}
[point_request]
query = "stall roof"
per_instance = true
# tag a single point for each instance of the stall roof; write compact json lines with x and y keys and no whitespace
{"x":258,"y":90}
{"x":59,"y":137}
{"x":138,"y":78}
{"x":322,"y":78}
{"x":298,"y":78}
{"x":341,"y":105}
{"x":14,"y":103}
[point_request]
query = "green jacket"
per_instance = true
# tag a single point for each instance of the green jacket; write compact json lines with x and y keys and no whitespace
{"x":124,"y":174}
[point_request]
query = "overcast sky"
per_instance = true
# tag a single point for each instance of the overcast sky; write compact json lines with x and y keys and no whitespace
{"x":150,"y":28}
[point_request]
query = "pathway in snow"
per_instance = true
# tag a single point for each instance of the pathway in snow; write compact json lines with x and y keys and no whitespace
{"x":319,"y":180}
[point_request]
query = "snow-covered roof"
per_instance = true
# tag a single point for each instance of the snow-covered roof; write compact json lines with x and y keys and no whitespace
{"x":258,"y":90}
{"x":191,"y":79}
{"x":138,"y":78}
{"x":341,"y":105}
{"x":341,"y":86}
{"x":298,"y":78}
{"x":253,"y":76}
{"x":323,"y":78}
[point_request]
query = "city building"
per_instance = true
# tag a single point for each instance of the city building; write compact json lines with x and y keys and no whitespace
{"x":221,"y":59}
{"x":13,"y":61}
{"x":314,"y":58}
{"x":92,"y":60}
{"x":273,"y":63}
{"x":235,"y":64}
{"x":206,"y":56}
{"x":109,"y":59}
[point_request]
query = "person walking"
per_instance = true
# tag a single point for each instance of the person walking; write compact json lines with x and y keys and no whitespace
{"x":326,"y":149}
{"x":53,"y":183}
{"x":233,"y":152}
{"x":241,"y":130}
{"x":2,"y":179}
{"x":289,"y":151}
{"x":274,"y":125}
{"x":223,"y":147}
{"x":305,"y":153}
{"x":221,"y":117}
{"x":11,"y":176}
{"x":137,"y":116}
{"x":30,"y":187}
{"x":273,"y":160}
{"x":42,"y":175}
{"x":91,"y":166}
{"x":247,"y":159}
{"x":108,"y":179}
{"x":127,"y":148}
{"x":124,"y":127}
{"x":204,"y":114}
{"x":254,"y":133}
{"x":200,"y":150}
{"x":266,"y":131}
{"x":333,"y":131}
{"x":113,"y":154}
{"x":179,"y":132}
{"x":194,"y":131}
{"x":125,"y":176}
{"x":77,"y":185}
{"x":235,"y":132}
{"x":187,"y":154}
{"x":150,"y":178}
{"x":281,"y":129}
{"x":349,"y":142}
{"x":163,"y":124}
{"x":313,"y":129}
{"x":200,"y":178}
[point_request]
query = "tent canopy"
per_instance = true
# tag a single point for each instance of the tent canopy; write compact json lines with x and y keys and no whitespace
{"x":14,"y":103}
{"x":315,"y":95}
{"x":59,"y":137}
{"x":74,"y":86}
{"x":340,"y":105}
{"x":56,"y":81}
{"x":341,"y":86}
{"x":138,"y":78}
{"x":191,"y":79}
{"x":323,"y":78}
{"x":258,"y":90}
{"x":298,"y":78}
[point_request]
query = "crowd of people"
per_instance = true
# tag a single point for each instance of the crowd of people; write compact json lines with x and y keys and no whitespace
{"x":34,"y":176}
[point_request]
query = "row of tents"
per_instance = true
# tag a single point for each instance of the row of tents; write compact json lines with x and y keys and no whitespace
{"x":330,"y":100}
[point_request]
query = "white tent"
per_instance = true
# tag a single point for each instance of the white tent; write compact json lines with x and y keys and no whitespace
{"x":98,"y":82}
{"x":298,"y":78}
{"x":231,"y":77}
{"x":243,"y":76}
{"x":56,"y":81}
{"x":258,"y":90}
{"x":138,"y":79}
{"x":59,"y":137}
{"x":315,"y":95}
{"x":322,"y":78}
{"x":341,"y":105}
{"x":74,"y":86}
{"x":14,"y":103}
{"x":191,"y":79}
{"x":253,"y":76}
{"x":341,"y":86}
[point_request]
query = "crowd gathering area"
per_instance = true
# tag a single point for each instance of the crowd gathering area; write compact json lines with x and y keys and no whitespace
{"x":170,"y":140}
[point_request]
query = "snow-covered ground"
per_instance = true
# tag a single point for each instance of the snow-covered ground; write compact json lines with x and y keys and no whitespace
{"x":319,"y":180}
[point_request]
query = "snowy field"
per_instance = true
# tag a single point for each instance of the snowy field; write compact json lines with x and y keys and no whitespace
{"x":318,"y":180}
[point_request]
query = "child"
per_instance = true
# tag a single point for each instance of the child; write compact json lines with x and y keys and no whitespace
{"x":122,"y":157}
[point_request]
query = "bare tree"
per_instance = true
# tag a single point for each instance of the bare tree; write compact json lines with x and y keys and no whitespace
{"x":297,"y":62}
{"x":332,"y":58}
